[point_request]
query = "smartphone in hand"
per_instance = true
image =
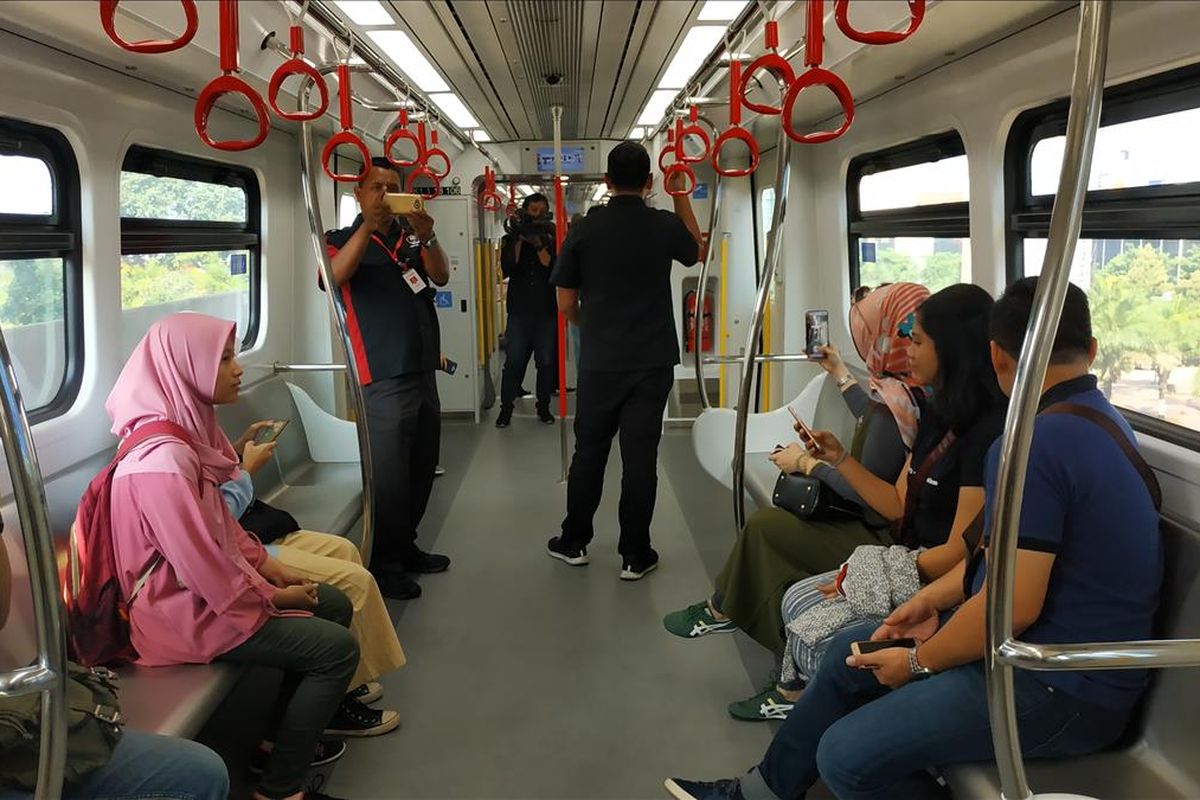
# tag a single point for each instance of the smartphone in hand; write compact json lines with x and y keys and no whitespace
{"x":862,"y":648}
{"x":816,"y":332}
{"x":400,"y":204}
{"x":450,"y":367}
{"x":806,"y":434}
{"x":269,"y":433}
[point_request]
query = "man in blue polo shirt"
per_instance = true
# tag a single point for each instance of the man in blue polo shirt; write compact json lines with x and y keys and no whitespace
{"x":386,"y":269}
{"x":1089,"y":568}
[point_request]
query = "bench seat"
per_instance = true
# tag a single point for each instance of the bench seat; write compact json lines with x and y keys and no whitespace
{"x":175,"y":701}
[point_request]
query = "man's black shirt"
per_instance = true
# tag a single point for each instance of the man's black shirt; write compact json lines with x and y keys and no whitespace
{"x":394,"y":331}
{"x":619,"y":258}
{"x":529,"y":289}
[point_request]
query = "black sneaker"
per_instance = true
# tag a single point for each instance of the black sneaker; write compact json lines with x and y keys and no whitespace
{"x":367,"y":692}
{"x":356,"y":719}
{"x":634,"y":568}
{"x":426,"y":563}
{"x":523,"y":392}
{"x":326,"y":752}
{"x":545,"y":417}
{"x":504,"y":418}
{"x":575,"y":556}
{"x":394,"y":585}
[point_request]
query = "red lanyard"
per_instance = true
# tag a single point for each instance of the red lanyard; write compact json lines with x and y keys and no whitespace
{"x":394,"y":253}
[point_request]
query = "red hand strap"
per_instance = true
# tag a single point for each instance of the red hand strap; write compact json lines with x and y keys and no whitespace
{"x":818,"y":77}
{"x":346,"y":136}
{"x":108,"y":13}
{"x":433,"y":151}
{"x":773,"y":63}
{"x":423,"y":171}
{"x":693,"y":128}
{"x":297,"y":66}
{"x":229,"y":83}
{"x":735,"y":129}
{"x":841,"y":14}
{"x":402,"y":132}
{"x":679,"y":169}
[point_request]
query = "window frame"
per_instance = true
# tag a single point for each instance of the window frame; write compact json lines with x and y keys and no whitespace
{"x":1170,"y":211}
{"x":57,"y":235}
{"x":140,"y":236}
{"x":938,"y":220}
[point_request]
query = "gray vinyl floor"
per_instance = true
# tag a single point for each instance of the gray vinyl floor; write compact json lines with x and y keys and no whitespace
{"x":531,"y":679}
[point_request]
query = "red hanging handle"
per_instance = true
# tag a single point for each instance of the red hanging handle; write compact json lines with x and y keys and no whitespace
{"x":814,"y":34}
{"x":229,"y":83}
{"x":402,"y":132}
{"x":108,"y":14}
{"x":773,"y":63}
{"x":489,"y":198}
{"x":423,"y":171}
{"x":511,"y":208}
{"x":297,"y":66}
{"x":735,"y":129}
{"x":347,"y":134}
{"x":841,"y":13}
{"x":818,"y":77}
{"x":693,"y":128}
{"x":679,"y":169}
{"x":433,"y":151}
{"x":670,"y":149}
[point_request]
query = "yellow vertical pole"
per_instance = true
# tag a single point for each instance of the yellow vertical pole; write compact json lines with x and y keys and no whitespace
{"x":724,"y":337}
{"x":480,"y":302}
{"x":765,"y":402}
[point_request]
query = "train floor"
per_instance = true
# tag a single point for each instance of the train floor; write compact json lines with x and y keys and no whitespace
{"x":528,"y":678}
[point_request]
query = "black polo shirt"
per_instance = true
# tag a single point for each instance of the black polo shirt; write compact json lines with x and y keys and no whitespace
{"x":393,"y":330}
{"x":529,"y":288}
{"x":619,"y":258}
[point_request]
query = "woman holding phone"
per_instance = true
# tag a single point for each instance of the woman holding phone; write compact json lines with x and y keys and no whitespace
{"x":776,"y":548}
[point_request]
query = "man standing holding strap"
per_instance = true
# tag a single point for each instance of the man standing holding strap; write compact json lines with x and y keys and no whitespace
{"x":617,"y":260}
{"x":386,"y":269}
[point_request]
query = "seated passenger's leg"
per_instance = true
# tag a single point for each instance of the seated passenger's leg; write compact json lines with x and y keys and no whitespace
{"x":318,"y":655}
{"x":144,"y":765}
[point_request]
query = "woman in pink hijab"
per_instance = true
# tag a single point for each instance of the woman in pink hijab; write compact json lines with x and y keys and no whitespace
{"x":211,"y":591}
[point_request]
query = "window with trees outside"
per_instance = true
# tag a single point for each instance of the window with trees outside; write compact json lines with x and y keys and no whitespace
{"x":40,"y":265}
{"x":1138,"y":257}
{"x":908,"y":214}
{"x":189,"y":241}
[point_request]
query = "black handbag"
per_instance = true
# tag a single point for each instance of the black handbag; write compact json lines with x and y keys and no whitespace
{"x":807,"y":497}
{"x":267,"y":522}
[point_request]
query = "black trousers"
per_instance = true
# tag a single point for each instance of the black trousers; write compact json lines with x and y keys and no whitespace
{"x":609,"y":403}
{"x":404,"y":420}
{"x":525,"y":335}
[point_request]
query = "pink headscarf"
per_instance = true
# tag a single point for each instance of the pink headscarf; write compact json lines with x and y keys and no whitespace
{"x":172,"y":375}
{"x":881,"y":324}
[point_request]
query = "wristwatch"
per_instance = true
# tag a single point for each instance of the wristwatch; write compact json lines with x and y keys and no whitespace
{"x":430,"y":242}
{"x":844,"y":382}
{"x":914,"y":666}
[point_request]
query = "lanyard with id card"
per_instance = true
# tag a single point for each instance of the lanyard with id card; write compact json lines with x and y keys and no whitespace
{"x":410,"y":275}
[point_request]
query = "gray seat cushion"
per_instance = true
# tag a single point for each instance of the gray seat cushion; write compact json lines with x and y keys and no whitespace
{"x":174,"y":701}
{"x":761,"y":476}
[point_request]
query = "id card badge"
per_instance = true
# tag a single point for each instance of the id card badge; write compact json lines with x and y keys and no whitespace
{"x":415,"y":281}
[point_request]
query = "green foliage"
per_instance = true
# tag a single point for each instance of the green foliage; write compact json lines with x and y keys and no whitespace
{"x":31,"y":291}
{"x":150,"y":197}
{"x":150,"y":280}
{"x":938,"y":271}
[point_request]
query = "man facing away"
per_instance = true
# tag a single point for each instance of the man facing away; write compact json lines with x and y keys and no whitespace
{"x":385,"y":270}
{"x":526,"y":258}
{"x":617,"y":261}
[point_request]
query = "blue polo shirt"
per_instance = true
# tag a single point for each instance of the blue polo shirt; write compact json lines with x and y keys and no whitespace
{"x":1087,"y":504}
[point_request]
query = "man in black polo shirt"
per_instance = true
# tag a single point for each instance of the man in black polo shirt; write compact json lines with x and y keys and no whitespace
{"x":385,"y":269}
{"x":526,"y":257}
{"x":617,"y":261}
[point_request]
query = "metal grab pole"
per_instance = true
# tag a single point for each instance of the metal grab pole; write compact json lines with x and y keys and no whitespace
{"x":308,"y":180}
{"x":50,"y":675}
{"x":560,"y":224}
{"x":783,"y":175}
{"x":714,"y":216}
{"x":1087,"y":92}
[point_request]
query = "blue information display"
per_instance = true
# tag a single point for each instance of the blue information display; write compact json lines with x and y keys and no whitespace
{"x":868,"y":252}
{"x":700,"y":192}
{"x":572,"y":159}
{"x":444,"y":300}
{"x":237,"y":264}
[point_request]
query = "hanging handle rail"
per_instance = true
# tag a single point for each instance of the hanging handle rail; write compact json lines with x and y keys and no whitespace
{"x":308,"y":181}
{"x":48,"y":676}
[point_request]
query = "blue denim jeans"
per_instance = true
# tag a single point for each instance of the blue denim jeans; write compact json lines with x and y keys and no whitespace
{"x":867,"y":742}
{"x":149,"y":766}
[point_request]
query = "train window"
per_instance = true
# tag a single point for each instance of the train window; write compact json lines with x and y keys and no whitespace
{"x":40,"y":265}
{"x":766,"y":213}
{"x":908,"y":214}
{"x":347,"y":210}
{"x":1138,"y":257}
{"x":189,"y":241}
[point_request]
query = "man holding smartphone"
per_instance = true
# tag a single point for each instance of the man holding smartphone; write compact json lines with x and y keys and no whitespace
{"x":386,"y":269}
{"x":617,"y":260}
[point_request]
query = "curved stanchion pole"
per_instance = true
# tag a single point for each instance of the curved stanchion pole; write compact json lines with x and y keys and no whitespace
{"x":701,"y":291}
{"x":1087,"y":91}
{"x":48,"y":675}
{"x":308,"y":181}
{"x":783,"y":176}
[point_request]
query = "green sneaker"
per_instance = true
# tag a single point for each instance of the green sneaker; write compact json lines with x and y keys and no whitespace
{"x":696,"y":621}
{"x":767,"y":704}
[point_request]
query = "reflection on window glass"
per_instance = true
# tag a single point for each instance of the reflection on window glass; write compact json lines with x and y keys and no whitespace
{"x":151,"y":197}
{"x":932,"y":262}
{"x":1145,"y":299}
{"x":766,"y":210}
{"x":152,"y":286}
{"x":347,"y":210}
{"x":32,"y":301}
{"x":925,"y":184}
{"x":26,"y":186}
{"x":1143,"y":152}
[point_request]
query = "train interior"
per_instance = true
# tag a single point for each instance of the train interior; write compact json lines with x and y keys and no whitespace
{"x":524,"y":680}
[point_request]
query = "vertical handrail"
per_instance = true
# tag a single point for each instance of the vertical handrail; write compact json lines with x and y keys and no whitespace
{"x":308,"y":180}
{"x":29,"y":495}
{"x":560,"y":227}
{"x":1087,"y":92}
{"x":702,"y":291}
{"x":723,"y":342}
{"x":783,"y":175}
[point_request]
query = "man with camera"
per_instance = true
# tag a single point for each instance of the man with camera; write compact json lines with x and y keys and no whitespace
{"x":527,"y":258}
{"x":385,"y":269}
{"x":618,"y":260}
